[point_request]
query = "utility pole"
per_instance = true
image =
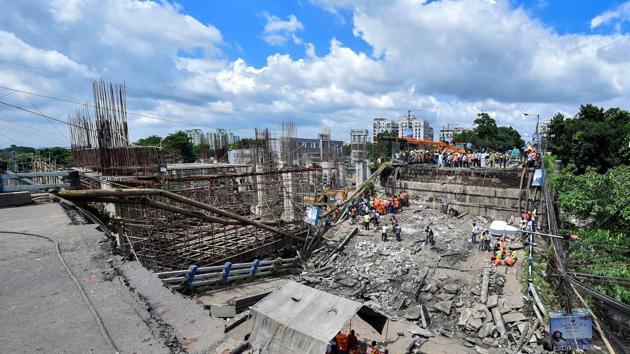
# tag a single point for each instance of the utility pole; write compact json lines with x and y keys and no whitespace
{"x":537,"y":141}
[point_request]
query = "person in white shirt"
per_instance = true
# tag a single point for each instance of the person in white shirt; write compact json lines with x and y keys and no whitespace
{"x":384,"y":232}
{"x":473,"y":234}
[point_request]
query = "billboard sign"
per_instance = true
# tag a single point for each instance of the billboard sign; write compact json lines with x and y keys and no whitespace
{"x":570,"y":332}
{"x":408,"y":133}
{"x":539,"y":178}
{"x":311,"y":215}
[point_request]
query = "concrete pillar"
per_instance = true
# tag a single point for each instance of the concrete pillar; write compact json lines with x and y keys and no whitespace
{"x":360,"y":174}
{"x":261,"y":194}
{"x":289,"y":188}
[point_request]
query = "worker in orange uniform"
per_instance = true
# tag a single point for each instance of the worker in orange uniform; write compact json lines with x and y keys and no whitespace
{"x":353,"y":343}
{"x":372,"y":348}
{"x":342,"y":342}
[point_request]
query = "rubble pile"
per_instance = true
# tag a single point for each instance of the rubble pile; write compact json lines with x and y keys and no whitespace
{"x":500,"y":322}
{"x":427,"y":285}
{"x":379,"y":272}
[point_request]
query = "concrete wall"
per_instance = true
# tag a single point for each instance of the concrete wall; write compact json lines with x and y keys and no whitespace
{"x":492,"y":202}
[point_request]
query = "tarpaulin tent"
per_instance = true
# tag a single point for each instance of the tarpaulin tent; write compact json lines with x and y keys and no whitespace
{"x":300,"y":319}
{"x":501,"y":228}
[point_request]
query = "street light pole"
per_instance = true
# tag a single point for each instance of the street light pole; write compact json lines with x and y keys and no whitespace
{"x":537,"y":143}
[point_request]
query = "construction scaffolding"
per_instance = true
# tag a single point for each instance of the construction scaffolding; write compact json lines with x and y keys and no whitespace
{"x":102,"y":144}
{"x":165,"y":233}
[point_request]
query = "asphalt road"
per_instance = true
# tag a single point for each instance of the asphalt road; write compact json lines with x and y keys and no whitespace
{"x":41,"y":310}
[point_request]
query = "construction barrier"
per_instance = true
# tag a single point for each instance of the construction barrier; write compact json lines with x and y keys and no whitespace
{"x":203,"y":276}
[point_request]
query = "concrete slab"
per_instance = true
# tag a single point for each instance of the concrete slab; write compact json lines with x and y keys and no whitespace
{"x":46,"y":311}
{"x":238,"y":294}
{"x":15,"y":199}
{"x":193,"y":327}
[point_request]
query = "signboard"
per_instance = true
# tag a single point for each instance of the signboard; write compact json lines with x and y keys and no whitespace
{"x":570,"y":332}
{"x":311,"y":214}
{"x":408,"y":133}
{"x":539,"y":178}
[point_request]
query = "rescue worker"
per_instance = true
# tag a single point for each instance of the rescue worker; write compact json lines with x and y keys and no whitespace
{"x":353,"y":343}
{"x":473,"y":233}
{"x":384,"y":232}
{"x":331,"y":347}
{"x":510,"y":258}
{"x":498,"y":259}
{"x":372,"y":348}
{"x":342,"y":342}
{"x":366,"y":221}
{"x":483,"y":239}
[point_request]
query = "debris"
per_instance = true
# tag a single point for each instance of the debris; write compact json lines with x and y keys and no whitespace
{"x":493,"y":301}
{"x":498,"y":321}
{"x":444,"y":306}
{"x":513,"y":317}
{"x":420,"y":331}
{"x":484,"y":286}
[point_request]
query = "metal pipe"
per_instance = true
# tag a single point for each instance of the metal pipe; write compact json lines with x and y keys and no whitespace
{"x":88,"y":194}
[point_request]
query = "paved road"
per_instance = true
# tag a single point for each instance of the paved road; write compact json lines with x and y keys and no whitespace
{"x":41,"y":310}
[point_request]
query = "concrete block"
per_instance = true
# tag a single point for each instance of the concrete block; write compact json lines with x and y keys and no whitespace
{"x":15,"y":199}
{"x":223,"y":311}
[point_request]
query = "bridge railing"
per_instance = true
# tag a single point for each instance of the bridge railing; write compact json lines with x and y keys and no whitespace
{"x":203,"y":276}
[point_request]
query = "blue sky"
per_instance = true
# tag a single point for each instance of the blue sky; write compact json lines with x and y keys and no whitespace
{"x":251,"y":64}
{"x":241,"y":23}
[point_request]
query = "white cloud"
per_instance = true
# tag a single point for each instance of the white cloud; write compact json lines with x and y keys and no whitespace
{"x":278,"y":31}
{"x":618,"y":14}
{"x":66,"y":10}
{"x":449,"y":58}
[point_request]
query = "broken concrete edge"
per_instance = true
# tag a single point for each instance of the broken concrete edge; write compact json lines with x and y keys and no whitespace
{"x":182,"y":324}
{"x":13,"y":199}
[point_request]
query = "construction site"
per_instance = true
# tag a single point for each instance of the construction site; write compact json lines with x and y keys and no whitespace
{"x":137,"y":252}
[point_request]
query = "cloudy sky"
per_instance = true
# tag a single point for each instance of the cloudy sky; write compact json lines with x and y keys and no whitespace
{"x":338,"y":63}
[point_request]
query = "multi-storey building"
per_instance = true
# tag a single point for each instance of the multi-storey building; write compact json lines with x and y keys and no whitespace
{"x":447,"y":133}
{"x":220,"y":139}
{"x":413,"y":127}
{"x":382,"y":125}
{"x":196,"y":136}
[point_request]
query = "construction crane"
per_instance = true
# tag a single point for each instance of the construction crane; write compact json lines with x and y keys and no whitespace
{"x":419,"y":142}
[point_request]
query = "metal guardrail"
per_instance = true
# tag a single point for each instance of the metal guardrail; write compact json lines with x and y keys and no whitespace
{"x":71,"y":180}
{"x":202,"y":276}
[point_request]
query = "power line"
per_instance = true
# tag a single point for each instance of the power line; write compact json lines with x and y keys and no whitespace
{"x":9,"y":138}
{"x":128,"y":113}
{"x":32,"y":134}
{"x":49,"y":117}
{"x":29,"y":128}
{"x":177,"y":98}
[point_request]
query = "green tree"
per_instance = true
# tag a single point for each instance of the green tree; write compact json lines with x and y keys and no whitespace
{"x":486,"y":135}
{"x":61,"y":155}
{"x":152,"y":140}
{"x":178,"y":144}
{"x":594,"y":138}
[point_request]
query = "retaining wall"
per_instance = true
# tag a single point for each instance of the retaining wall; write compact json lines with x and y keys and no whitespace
{"x":465,"y":190}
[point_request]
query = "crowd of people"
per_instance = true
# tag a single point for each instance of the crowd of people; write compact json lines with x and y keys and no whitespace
{"x":449,"y":158}
{"x":347,"y":343}
{"x":369,"y":211}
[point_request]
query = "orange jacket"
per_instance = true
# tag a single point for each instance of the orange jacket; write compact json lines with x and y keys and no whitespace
{"x":342,"y":341}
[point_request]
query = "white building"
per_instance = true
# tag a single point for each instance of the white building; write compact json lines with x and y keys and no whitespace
{"x":382,"y":125}
{"x":415,"y":128}
{"x":196,"y":136}
{"x":447,"y":133}
{"x":221,"y":138}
